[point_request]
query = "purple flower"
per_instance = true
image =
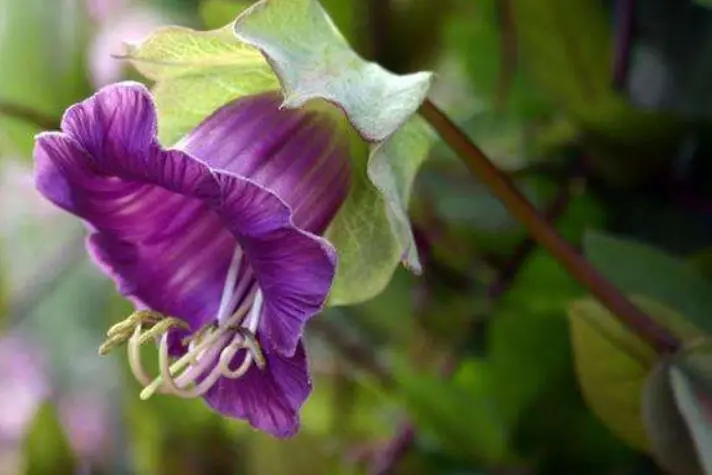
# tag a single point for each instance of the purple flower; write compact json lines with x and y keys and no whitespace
{"x":216,"y":240}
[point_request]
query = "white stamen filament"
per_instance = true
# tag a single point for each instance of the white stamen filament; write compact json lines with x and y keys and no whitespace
{"x":253,"y":318}
{"x":134,"y":354}
{"x":171,"y":384}
{"x":211,"y":349}
{"x":230,"y":281}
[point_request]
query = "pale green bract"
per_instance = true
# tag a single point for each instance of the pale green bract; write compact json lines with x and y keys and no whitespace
{"x":314,"y":61}
{"x":197,"y":72}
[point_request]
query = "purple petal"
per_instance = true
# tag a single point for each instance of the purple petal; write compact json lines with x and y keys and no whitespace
{"x":302,"y":156}
{"x":118,"y":121}
{"x":294,"y":268}
{"x":165,"y":226}
{"x":269,"y":399}
{"x":152,"y":230}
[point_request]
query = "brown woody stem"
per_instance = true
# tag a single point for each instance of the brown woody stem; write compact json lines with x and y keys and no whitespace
{"x":546,"y":235}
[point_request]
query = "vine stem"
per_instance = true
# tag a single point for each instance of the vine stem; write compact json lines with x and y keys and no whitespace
{"x":546,"y":235}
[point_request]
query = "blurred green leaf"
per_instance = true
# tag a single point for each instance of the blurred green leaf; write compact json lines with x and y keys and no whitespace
{"x":566,"y":47}
{"x":347,"y":15}
{"x":46,"y":449}
{"x":696,"y":409}
{"x":527,"y":336}
{"x":669,"y":438}
{"x":196,"y":72}
{"x":172,"y":436}
{"x":314,"y":61}
{"x":296,"y":456}
{"x":42,"y":59}
{"x":216,"y":13}
{"x":461,"y":414}
{"x":478,"y":35}
{"x":637,"y":268}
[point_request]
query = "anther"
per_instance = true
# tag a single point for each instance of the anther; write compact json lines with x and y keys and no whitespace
{"x":250,"y":343}
{"x":161,"y":328}
{"x":139,"y":316}
{"x":111,"y":343}
{"x":122,"y":331}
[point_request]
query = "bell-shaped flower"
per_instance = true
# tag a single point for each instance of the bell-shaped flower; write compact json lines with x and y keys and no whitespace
{"x":216,"y":239}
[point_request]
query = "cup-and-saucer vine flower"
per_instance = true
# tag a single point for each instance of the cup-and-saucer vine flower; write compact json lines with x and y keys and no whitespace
{"x":216,"y":240}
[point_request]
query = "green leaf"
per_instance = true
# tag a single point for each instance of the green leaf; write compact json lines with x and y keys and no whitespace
{"x":612,"y":363}
{"x":314,"y":61}
{"x":637,"y":268}
{"x":46,"y":448}
{"x":196,"y":72}
{"x":696,"y":409}
{"x":669,"y":438}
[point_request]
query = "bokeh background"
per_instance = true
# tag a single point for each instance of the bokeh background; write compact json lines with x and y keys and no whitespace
{"x":467,"y":369}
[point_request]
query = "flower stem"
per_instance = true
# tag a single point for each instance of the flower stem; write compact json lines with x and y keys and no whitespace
{"x":546,"y":235}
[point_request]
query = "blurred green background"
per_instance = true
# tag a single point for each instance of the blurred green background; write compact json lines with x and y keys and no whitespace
{"x":467,"y":369}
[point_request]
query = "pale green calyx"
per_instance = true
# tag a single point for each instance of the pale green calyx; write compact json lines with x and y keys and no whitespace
{"x":196,"y":72}
{"x":313,"y":60}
